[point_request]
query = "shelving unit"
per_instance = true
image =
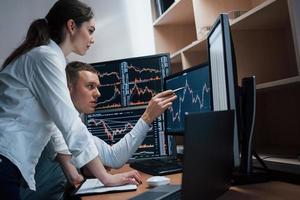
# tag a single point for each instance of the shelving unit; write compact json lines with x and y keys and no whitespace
{"x":266,"y":39}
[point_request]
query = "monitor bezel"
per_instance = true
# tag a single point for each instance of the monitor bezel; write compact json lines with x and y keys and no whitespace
{"x":223,"y":21}
{"x":133,"y":58}
{"x":188,"y":70}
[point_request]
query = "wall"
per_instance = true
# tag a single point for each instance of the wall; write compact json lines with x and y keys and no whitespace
{"x":123,"y":28}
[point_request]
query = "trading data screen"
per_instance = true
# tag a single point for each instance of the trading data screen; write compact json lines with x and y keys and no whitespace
{"x":132,"y":81}
{"x":113,"y":124}
{"x":144,"y":80}
{"x":110,"y":85}
{"x":194,"y":96}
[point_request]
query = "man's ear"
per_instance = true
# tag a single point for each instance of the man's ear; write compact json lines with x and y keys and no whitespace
{"x":71,"y":26}
{"x":70,"y":86}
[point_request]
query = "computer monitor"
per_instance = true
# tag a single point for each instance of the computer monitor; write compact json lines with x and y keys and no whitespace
{"x":195,"y":96}
{"x":131,"y":81}
{"x":223,"y":73}
{"x":111,"y":125}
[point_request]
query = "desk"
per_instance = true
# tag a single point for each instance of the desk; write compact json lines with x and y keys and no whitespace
{"x":271,"y":190}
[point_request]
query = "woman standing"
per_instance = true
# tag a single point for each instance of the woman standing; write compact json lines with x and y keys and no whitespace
{"x":35,"y":102}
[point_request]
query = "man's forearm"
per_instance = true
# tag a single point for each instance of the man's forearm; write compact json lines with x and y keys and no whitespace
{"x":97,"y":169}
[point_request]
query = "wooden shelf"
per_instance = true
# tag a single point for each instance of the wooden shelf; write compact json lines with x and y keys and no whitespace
{"x":175,"y":57}
{"x":175,"y":15}
{"x":207,"y":11}
{"x":266,"y":42}
{"x":176,"y":63}
{"x":272,"y":14}
{"x":290,"y":165}
{"x":194,"y":54}
{"x":196,"y":46}
{"x":282,"y":82}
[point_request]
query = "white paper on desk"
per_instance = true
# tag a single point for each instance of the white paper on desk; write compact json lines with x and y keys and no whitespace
{"x":95,"y":186}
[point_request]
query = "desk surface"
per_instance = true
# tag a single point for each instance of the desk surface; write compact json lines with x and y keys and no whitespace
{"x":271,"y":190}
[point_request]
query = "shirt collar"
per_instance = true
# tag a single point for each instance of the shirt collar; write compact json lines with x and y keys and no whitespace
{"x":57,"y":48}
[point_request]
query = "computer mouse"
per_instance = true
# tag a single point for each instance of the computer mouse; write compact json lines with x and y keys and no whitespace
{"x":158,"y":180}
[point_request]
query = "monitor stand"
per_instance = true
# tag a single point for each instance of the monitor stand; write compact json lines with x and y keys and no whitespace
{"x":246,"y":173}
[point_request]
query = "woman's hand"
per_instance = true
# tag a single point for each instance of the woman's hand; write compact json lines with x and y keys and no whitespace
{"x":157,"y":105}
{"x":132,"y":177}
{"x":69,"y":169}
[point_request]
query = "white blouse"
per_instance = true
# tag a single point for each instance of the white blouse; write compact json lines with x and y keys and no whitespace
{"x":35,"y":103}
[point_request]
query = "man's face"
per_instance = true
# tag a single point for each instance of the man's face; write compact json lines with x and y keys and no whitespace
{"x":84,"y":92}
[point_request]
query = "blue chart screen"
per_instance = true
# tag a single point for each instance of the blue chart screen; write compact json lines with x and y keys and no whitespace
{"x":195,"y":97}
{"x":113,"y":124}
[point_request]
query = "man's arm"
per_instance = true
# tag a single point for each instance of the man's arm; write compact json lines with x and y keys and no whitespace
{"x":117,"y":155}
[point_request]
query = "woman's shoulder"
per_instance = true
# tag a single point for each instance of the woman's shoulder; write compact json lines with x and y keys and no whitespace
{"x":47,"y":53}
{"x":43,"y":51}
{"x":43,"y":58}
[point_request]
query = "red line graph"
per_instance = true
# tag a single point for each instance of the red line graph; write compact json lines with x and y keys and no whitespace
{"x":145,"y":69}
{"x":141,"y":91}
{"x":109,"y":74}
{"x":140,"y":80}
{"x":110,"y":132}
{"x":110,"y":84}
{"x":116,"y":93}
{"x":196,"y":99}
{"x":103,"y":77}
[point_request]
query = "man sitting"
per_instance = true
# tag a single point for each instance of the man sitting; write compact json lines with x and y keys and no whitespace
{"x":83,"y":84}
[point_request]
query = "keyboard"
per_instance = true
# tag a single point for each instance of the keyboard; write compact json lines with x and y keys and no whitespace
{"x":164,"y":192}
{"x":158,"y":167}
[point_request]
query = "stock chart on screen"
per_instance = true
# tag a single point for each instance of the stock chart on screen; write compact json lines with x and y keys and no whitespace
{"x":110,"y":85}
{"x":194,"y":96}
{"x":111,"y":125}
{"x":131,"y":81}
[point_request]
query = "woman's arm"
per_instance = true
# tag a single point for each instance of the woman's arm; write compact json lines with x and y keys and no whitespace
{"x":48,"y":84}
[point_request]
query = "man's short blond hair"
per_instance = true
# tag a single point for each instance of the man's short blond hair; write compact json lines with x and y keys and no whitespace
{"x":73,"y":69}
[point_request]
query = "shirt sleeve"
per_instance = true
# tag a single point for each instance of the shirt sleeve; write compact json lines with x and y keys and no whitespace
{"x":57,"y":145}
{"x":49,"y":85}
{"x":117,"y":155}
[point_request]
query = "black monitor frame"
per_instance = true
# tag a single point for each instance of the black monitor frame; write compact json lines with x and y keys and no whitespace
{"x":188,"y":70}
{"x":232,"y":88}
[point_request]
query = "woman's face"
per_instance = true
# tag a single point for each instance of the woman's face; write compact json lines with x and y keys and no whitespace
{"x":83,"y":38}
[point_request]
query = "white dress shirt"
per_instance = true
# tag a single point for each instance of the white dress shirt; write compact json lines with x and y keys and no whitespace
{"x":117,"y":155}
{"x":35,"y":103}
{"x":114,"y":156}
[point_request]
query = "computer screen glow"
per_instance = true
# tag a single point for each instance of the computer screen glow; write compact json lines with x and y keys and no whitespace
{"x":194,"y":97}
